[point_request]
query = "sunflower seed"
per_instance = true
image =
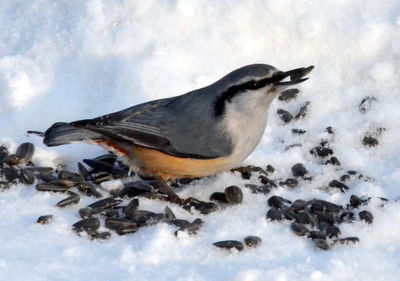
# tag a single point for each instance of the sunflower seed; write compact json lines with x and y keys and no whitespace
{"x":229,"y":244}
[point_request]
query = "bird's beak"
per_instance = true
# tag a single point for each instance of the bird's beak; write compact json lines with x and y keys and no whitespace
{"x":295,"y":76}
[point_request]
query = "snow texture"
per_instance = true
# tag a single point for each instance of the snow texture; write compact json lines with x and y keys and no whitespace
{"x":68,"y":60}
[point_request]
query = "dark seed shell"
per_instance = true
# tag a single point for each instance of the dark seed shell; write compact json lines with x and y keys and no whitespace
{"x":107,"y":158}
{"x":321,"y":244}
{"x":85,"y":212}
{"x":63,"y":183}
{"x":45,"y":219}
{"x":298,"y":205}
{"x":206,"y":207}
{"x":142,"y":217}
{"x":252,"y":241}
{"x":132,"y":205}
{"x":140,"y":186}
{"x":105,"y":203}
{"x":333,"y":161}
{"x":366,"y":216}
{"x":72,"y":199}
{"x":344,"y":177}
{"x":233,"y":194}
{"x":50,"y":187}
{"x":100,"y":166}
{"x":325,"y":219}
{"x":290,"y":182}
{"x":229,"y":244}
{"x":306,"y":218}
{"x":370,"y":141}
{"x":89,"y":225}
{"x":289,"y":214}
{"x":193,"y":228}
{"x":41,"y":170}
{"x":338,"y":184}
{"x":317,"y":235}
{"x":25,"y":151}
{"x":267,"y":181}
{"x":274,"y":214}
{"x":318,"y":205}
{"x":10,"y":174}
{"x":102,"y":235}
{"x":366,"y":104}
{"x":288,"y":94}
{"x":298,"y":131}
{"x":121,"y":225}
{"x":303,"y":111}
{"x":269,"y":169}
{"x":333,"y":231}
{"x":68,"y":175}
{"x":285,"y":115}
{"x":347,"y":217}
{"x":298,"y":170}
{"x":299,"y":229}
{"x":169,"y":214}
{"x":263,"y":189}
{"x":278,"y":202}
{"x":83,"y":171}
{"x":321,"y":151}
{"x":329,"y":130}
{"x":347,"y":240}
{"x":246,"y":171}
{"x":218,"y":197}
{"x":27,"y":176}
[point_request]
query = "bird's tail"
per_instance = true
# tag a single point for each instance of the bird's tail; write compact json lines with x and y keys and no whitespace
{"x":63,"y":133}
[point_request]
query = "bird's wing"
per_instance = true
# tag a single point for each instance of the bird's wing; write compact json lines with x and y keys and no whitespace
{"x":165,"y":125}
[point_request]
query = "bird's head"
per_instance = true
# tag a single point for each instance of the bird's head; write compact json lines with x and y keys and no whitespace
{"x":255,"y":85}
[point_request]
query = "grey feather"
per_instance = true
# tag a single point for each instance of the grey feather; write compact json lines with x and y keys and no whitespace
{"x":62,"y":133}
{"x":182,"y":126}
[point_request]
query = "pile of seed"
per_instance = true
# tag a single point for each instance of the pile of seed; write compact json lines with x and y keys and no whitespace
{"x":109,"y":211}
{"x":318,"y":219}
{"x":119,"y":210}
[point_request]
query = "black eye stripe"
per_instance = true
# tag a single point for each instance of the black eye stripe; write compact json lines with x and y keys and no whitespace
{"x":219,"y":105}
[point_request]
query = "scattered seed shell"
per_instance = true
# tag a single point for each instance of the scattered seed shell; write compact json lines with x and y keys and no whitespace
{"x":233,"y":194}
{"x":45,"y":219}
{"x":89,"y":225}
{"x":70,"y":200}
{"x":25,"y":151}
{"x":252,"y":241}
{"x":366,"y":216}
{"x":229,"y":244}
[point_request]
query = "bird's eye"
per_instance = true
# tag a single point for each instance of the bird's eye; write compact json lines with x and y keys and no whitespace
{"x":255,"y":83}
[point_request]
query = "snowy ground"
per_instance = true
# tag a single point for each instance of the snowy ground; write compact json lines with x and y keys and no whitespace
{"x":67,"y":60}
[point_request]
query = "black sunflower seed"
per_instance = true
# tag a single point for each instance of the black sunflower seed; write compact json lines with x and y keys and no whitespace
{"x":229,"y":244}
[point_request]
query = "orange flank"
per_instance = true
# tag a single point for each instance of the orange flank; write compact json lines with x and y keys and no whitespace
{"x":156,"y":163}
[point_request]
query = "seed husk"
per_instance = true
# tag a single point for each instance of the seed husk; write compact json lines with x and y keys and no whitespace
{"x":89,"y":225}
{"x":233,"y":194}
{"x":70,"y":200}
{"x":25,"y":152}
{"x":229,"y":244}
{"x":50,"y":187}
{"x":45,"y":219}
{"x":252,"y":241}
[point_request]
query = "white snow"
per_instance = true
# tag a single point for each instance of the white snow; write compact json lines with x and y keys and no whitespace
{"x":69,"y":60}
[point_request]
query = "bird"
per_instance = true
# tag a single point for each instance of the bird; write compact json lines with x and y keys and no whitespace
{"x":200,"y":133}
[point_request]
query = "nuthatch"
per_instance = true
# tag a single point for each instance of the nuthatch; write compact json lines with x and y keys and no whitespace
{"x":200,"y":133}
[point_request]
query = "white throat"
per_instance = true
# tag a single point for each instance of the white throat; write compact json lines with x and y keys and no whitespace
{"x":245,"y":120}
